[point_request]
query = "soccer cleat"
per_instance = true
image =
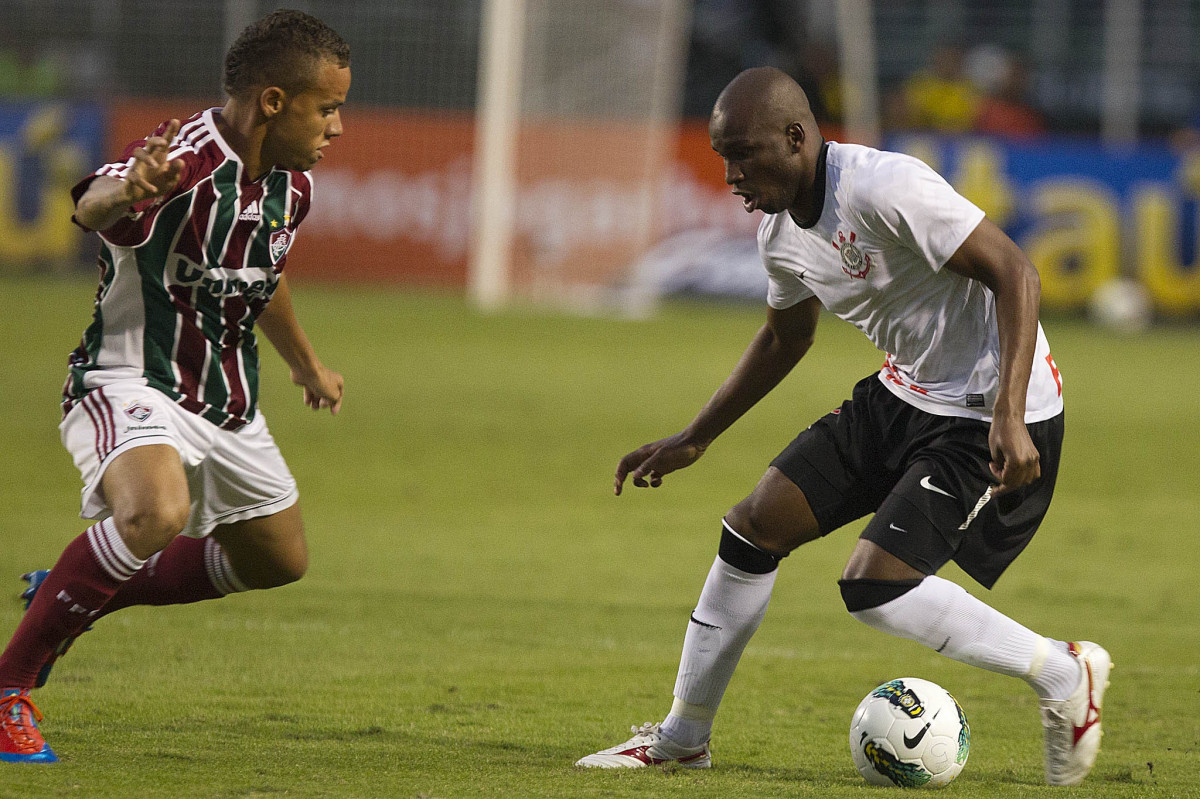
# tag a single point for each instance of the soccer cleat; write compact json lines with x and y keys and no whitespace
{"x":35,"y":580}
{"x":649,"y":747}
{"x":1072,"y":725}
{"x":20,"y":739}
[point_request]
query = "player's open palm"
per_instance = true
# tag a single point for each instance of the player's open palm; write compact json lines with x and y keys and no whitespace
{"x":648,"y":464}
{"x":152,"y":174}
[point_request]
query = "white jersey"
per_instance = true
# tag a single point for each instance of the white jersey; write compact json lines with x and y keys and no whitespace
{"x":874,"y":257}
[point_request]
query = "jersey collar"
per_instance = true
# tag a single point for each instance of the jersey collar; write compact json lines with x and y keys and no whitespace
{"x":818,"y":190}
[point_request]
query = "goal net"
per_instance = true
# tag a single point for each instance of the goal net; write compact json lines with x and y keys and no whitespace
{"x":578,"y":105}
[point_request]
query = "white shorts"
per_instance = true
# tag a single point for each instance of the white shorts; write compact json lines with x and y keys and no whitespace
{"x":232,"y":475}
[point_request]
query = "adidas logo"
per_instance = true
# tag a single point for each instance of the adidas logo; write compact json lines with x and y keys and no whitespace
{"x":252,"y":212}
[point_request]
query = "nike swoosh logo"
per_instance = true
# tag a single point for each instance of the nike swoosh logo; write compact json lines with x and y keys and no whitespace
{"x":916,"y":739}
{"x":926,"y":484}
{"x":897,"y":529}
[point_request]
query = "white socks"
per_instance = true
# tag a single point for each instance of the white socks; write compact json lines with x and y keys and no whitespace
{"x":731,"y":606}
{"x":944,"y":617}
{"x":936,"y":613}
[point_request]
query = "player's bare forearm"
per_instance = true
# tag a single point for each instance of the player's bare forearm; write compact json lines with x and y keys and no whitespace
{"x":777,"y":347}
{"x":775,"y":350}
{"x":279,"y":323}
{"x":104,"y":203}
{"x":322,"y":386}
{"x":150,"y":175}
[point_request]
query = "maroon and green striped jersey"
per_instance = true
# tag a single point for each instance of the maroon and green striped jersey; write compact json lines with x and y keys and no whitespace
{"x":184,"y":276}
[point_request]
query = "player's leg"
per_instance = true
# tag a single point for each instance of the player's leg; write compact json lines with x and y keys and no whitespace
{"x":889,"y":584}
{"x":147,"y":491}
{"x":1069,"y":678}
{"x":245,"y":532}
{"x":266,"y":551}
{"x":260,"y":552}
{"x":775,"y":519}
{"x":888,"y":594}
{"x":755,"y":534}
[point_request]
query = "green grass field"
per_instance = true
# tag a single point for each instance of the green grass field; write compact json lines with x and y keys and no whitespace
{"x":481,"y":611}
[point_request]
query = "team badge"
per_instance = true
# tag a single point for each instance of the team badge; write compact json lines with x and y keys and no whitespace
{"x":855,"y":262}
{"x":139,"y":412}
{"x":280,"y":241}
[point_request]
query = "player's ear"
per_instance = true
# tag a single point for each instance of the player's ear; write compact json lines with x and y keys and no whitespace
{"x":796,"y":135}
{"x":271,"y":101}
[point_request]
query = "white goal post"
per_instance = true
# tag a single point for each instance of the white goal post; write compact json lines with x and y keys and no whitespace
{"x":577,"y":108}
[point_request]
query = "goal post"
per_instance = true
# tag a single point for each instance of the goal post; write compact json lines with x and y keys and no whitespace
{"x":577,"y":109}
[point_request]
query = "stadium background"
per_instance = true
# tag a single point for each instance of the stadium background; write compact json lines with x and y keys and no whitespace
{"x":1109,"y":188}
{"x":480,"y":611}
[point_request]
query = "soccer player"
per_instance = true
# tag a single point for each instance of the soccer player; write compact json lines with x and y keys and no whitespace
{"x":160,"y":413}
{"x":953,"y":446}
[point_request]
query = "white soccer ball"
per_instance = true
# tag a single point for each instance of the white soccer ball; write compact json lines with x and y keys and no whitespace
{"x":1123,"y":305}
{"x":911,"y":733}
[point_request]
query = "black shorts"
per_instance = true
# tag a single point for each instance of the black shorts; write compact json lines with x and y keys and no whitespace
{"x":926,"y":479}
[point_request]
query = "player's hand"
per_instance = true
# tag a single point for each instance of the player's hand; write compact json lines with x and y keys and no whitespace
{"x":322,"y":388}
{"x":1015,"y":460}
{"x":151,"y":174}
{"x":650,"y":463}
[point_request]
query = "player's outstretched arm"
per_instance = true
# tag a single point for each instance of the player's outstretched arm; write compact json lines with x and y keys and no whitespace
{"x":322,"y":386}
{"x":151,"y":175}
{"x":778,"y":346}
{"x":991,"y":257}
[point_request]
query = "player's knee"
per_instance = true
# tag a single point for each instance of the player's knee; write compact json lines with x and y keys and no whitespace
{"x":764,"y":532}
{"x":740,"y":553}
{"x":150,"y":528}
{"x":863,"y":595}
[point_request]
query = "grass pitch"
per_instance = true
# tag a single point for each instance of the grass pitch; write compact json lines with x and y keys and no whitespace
{"x":481,"y":611}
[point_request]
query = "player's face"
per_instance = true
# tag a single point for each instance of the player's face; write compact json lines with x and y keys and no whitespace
{"x":310,"y":120}
{"x":764,"y":165}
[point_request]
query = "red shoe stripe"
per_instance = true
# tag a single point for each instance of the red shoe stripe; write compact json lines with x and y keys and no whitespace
{"x":640,"y":753}
{"x":1093,"y":713}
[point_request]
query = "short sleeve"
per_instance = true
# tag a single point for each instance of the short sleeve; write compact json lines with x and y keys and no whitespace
{"x":907,"y":199}
{"x":784,"y":286}
{"x":135,"y":226}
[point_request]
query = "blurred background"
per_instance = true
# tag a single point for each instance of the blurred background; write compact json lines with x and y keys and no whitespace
{"x":556,"y":150}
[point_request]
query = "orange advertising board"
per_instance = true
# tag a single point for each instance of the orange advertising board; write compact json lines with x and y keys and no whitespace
{"x":393,"y":195}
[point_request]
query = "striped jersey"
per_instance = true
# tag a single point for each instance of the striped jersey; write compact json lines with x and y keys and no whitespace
{"x":184,"y":276}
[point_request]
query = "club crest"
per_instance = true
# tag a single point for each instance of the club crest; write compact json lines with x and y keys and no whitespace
{"x":855,"y":262}
{"x":139,"y":412}
{"x":280,"y":241}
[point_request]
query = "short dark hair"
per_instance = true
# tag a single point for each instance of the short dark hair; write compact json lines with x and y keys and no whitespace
{"x":282,"y":49}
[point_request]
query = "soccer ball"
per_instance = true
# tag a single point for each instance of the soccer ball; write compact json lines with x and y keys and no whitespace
{"x":911,"y":733}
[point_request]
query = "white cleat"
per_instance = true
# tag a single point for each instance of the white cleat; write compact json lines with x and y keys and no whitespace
{"x":649,"y":747}
{"x":1072,"y":725}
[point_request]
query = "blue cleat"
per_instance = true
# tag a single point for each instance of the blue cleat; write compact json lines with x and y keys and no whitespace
{"x":20,"y":739}
{"x":35,"y":579}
